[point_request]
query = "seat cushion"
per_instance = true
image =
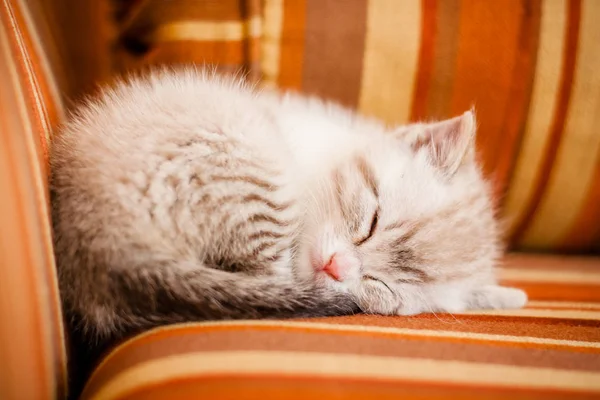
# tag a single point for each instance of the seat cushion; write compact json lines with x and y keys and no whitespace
{"x":549,"y":350}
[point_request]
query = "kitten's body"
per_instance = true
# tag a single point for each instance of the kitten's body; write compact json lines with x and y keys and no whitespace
{"x":184,"y":197}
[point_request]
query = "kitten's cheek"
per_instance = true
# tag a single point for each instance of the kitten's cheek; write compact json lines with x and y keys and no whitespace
{"x":304,"y":269}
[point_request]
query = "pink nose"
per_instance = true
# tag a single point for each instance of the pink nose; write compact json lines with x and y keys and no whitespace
{"x":333,"y":269}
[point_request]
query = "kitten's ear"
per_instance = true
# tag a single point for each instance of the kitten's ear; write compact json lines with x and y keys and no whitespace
{"x":449,"y":143}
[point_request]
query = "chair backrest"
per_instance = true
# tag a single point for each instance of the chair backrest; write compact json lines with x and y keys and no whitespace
{"x":529,"y":68}
{"x":32,"y":343}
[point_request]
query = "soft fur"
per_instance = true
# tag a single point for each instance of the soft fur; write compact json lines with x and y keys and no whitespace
{"x":184,"y":196}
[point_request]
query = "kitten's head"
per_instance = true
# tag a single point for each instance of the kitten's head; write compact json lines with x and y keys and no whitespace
{"x":405,"y":224}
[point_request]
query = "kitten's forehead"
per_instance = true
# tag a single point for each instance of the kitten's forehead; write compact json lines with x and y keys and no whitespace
{"x":384,"y":175}
{"x":356,"y":190}
{"x":401,"y":177}
{"x":367,"y":173}
{"x":359,"y":173}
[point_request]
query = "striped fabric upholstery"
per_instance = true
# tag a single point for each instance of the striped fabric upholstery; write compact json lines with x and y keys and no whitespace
{"x":550,"y":350}
{"x":537,"y":90}
{"x":224,"y":33}
{"x":32,"y":346}
{"x":529,"y":66}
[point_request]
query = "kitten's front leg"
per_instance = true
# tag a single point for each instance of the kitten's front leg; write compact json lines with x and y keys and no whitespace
{"x":496,"y":297}
{"x":455,"y":298}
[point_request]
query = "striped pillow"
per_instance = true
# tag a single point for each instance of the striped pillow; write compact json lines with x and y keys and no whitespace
{"x":529,"y":67}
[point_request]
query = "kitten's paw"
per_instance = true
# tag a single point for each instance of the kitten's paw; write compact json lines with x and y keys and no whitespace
{"x":497,"y":297}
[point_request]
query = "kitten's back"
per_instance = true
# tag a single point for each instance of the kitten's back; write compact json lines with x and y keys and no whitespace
{"x":162,"y":190}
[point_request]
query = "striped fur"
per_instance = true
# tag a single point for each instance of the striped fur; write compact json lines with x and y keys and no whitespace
{"x":185,"y":196}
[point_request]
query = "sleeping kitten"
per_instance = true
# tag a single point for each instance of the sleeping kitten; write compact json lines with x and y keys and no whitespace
{"x":184,"y":196}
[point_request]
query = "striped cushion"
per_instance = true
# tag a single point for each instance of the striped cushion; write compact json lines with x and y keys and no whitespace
{"x":223,"y":33}
{"x":550,"y":350}
{"x":529,"y":67}
{"x":32,"y":349}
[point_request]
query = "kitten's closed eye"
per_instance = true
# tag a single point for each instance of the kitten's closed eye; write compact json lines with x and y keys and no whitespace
{"x":372,"y":228}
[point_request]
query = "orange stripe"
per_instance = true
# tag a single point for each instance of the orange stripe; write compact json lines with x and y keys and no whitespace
{"x":508,"y":142}
{"x":16,"y":251}
{"x":571,"y":38}
{"x":50,"y":115}
{"x":87,"y":39}
{"x":39,"y":265}
{"x":45,"y":23}
{"x":564,"y":305}
{"x":551,"y":262}
{"x":445,"y":53}
{"x":586,"y":230}
{"x":291,"y":59}
{"x":38,"y":57}
{"x":488,"y":44}
{"x":265,"y":387}
{"x":21,"y":49}
{"x":557,"y":291}
{"x":426,"y":60}
{"x":483,"y":324}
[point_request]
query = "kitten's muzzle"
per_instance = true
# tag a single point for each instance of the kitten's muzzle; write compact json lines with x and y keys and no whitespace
{"x":333,"y":269}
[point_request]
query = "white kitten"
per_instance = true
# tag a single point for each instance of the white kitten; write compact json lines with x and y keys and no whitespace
{"x":184,"y":196}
